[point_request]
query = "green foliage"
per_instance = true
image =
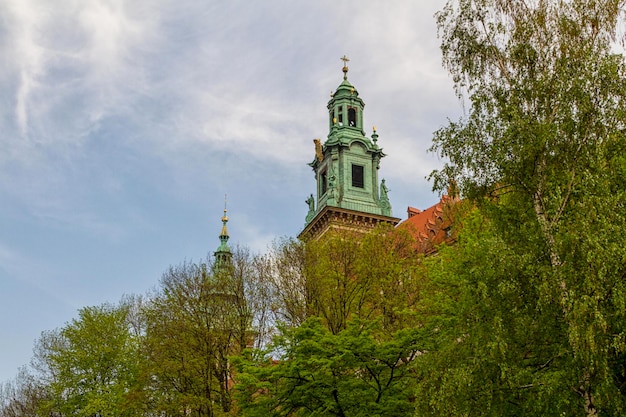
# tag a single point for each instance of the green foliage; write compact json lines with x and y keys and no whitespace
{"x":525,"y":315}
{"x":355,"y":276}
{"x":502,"y":344}
{"x":285,"y":278}
{"x":544,"y":89}
{"x":318,"y":372}
{"x":91,"y":365}
{"x":350,"y":338}
{"x":198,"y":320}
{"x":497,"y":347}
{"x":541,"y":154}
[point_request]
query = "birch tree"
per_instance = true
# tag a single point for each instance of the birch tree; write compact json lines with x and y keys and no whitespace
{"x":541,"y":152}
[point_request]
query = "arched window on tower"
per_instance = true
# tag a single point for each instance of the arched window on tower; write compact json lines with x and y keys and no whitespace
{"x":340,"y":116}
{"x":351,"y":116}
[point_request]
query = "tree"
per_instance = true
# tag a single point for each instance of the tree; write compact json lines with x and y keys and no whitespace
{"x":285,"y":276}
{"x":355,"y":276}
{"x":541,"y":154}
{"x":256,"y":274}
{"x":22,"y":396}
{"x":342,"y":276}
{"x":199,"y":319}
{"x":90,"y":365}
{"x":349,"y":336}
{"x":496,"y":338}
{"x":350,"y":373}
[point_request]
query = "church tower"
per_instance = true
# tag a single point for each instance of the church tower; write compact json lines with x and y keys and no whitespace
{"x":349,"y":195}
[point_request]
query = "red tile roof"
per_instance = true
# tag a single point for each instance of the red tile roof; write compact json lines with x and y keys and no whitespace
{"x":431,"y":226}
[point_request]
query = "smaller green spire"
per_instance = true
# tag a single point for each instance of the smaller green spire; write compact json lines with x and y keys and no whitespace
{"x":223,"y":256}
{"x":223,"y":253}
{"x":224,"y":235}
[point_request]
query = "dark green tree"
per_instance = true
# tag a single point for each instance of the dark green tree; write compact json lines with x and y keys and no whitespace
{"x":540,"y":153}
{"x":309,"y":370}
{"x":497,"y":341}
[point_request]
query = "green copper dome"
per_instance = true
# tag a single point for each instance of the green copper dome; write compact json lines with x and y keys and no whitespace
{"x":345,"y":89}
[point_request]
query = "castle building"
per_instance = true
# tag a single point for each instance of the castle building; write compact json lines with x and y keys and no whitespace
{"x":349,"y":195}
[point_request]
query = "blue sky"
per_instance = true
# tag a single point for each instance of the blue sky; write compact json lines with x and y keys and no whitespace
{"x":124,"y":123}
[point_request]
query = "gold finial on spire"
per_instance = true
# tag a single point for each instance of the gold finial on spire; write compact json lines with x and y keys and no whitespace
{"x":345,"y":66}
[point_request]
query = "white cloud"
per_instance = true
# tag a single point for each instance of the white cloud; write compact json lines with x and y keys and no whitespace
{"x":73,"y":63}
{"x":25,"y":55}
{"x":187,"y":79}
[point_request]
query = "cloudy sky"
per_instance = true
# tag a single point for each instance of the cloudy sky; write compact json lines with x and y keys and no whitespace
{"x":123,"y":123}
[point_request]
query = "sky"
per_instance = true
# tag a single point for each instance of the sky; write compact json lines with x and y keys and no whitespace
{"x":124,"y":123}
